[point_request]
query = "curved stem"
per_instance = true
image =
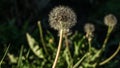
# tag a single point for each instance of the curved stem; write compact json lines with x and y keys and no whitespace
{"x":111,"y":57}
{"x":59,"y":47}
{"x":107,"y":37}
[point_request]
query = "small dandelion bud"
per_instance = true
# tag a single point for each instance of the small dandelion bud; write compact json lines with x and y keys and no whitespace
{"x":62,"y":17}
{"x":89,"y":28}
{"x":110,"y":20}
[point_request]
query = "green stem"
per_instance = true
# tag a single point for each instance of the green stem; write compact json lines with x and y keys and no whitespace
{"x":41,"y":37}
{"x":77,"y":64}
{"x":28,"y":53}
{"x":67,"y":45}
{"x":89,"y":42}
{"x":83,"y":38}
{"x":106,"y":40}
{"x":4,"y":55}
{"x":58,"y":50}
{"x":111,"y":57}
{"x":107,"y":37}
{"x":20,"y":57}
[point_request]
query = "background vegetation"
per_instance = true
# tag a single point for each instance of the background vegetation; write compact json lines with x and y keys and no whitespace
{"x":19,"y":17}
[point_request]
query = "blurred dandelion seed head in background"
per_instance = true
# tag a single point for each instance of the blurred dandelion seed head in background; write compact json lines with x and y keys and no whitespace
{"x":89,"y":28}
{"x":62,"y":17}
{"x":110,"y":20}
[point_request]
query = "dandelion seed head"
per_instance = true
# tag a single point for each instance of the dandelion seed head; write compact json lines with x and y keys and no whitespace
{"x":89,"y":28}
{"x":62,"y":17}
{"x":110,"y":20}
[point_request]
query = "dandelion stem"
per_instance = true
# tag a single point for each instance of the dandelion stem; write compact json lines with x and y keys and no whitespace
{"x":41,"y":36}
{"x":107,"y":37}
{"x":89,"y":42}
{"x":111,"y":57}
{"x":67,"y":46}
{"x":58,"y":50}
